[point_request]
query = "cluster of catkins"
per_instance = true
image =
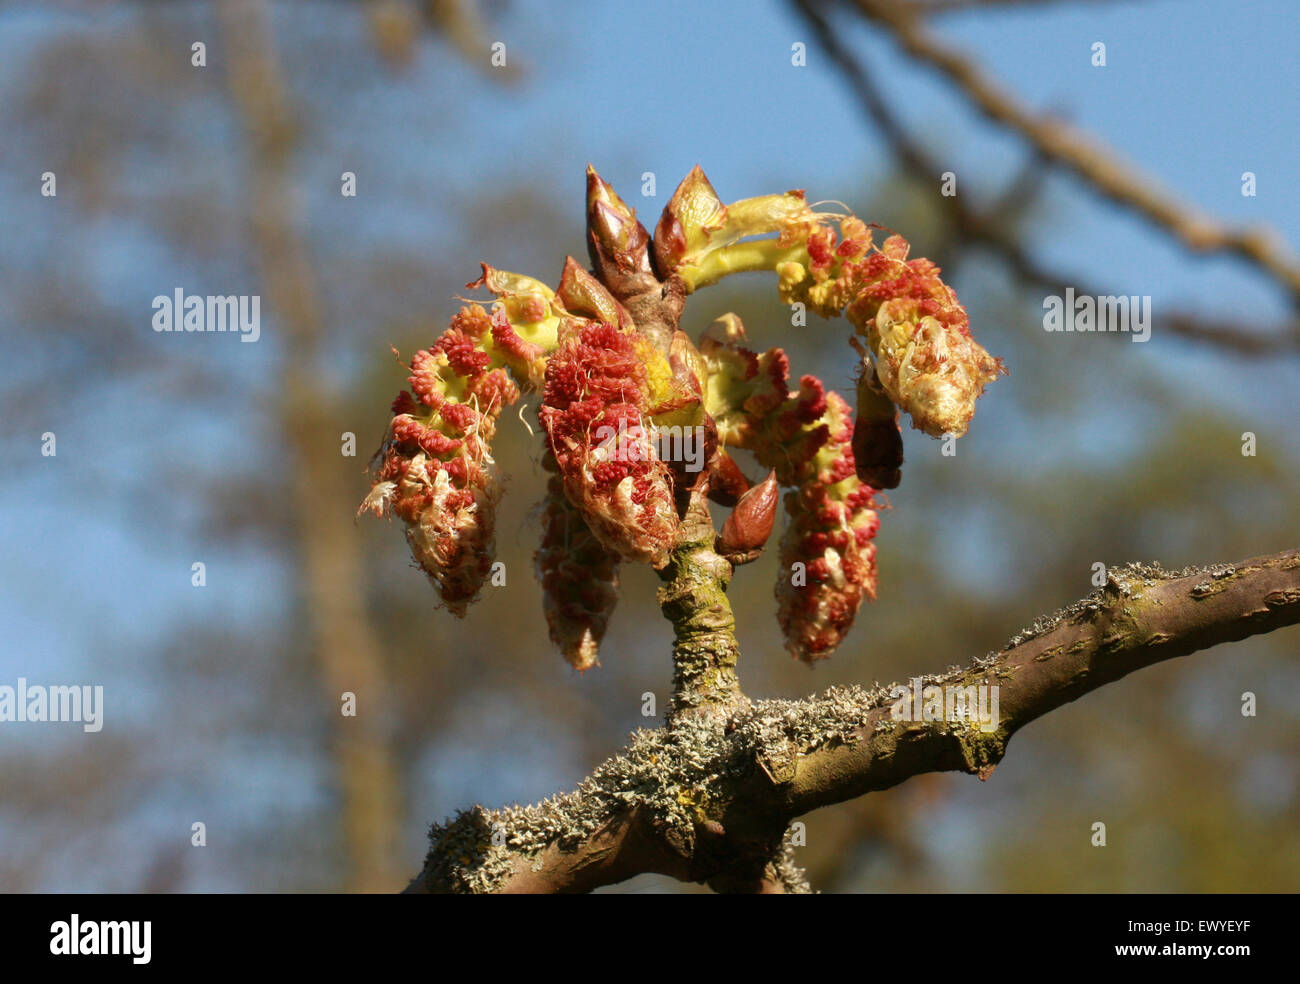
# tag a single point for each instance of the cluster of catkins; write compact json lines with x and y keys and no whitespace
{"x":607,"y":389}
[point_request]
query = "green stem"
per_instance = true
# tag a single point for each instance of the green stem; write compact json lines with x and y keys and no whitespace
{"x":745,"y":257}
{"x":694,"y":599}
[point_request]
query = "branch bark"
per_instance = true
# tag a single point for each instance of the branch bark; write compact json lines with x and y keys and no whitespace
{"x":709,"y":798}
{"x":693,"y":598}
{"x":344,"y":641}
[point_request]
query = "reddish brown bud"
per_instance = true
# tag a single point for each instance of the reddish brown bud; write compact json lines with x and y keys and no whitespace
{"x":619,"y":245}
{"x":727,"y":483}
{"x":878,"y":451}
{"x":394,"y":28}
{"x":694,"y":210}
{"x":877,"y":442}
{"x":670,"y":244}
{"x":689,"y":370}
{"x":750,"y":523}
{"x":583,"y":294}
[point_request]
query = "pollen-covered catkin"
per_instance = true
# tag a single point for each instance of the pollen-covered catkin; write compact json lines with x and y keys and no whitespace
{"x":594,"y":413}
{"x":827,"y":557}
{"x":919,"y":334}
{"x":434,"y":469}
{"x":579,"y":578}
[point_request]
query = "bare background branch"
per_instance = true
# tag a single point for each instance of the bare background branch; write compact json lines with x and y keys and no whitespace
{"x":989,"y":227}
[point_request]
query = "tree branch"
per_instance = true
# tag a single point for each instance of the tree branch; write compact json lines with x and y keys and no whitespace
{"x":983,"y":227}
{"x":693,"y":598}
{"x":709,"y":799}
{"x":1094,"y":163}
{"x":1144,"y":615}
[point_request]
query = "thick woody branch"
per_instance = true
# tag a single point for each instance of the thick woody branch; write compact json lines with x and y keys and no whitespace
{"x":709,"y":799}
{"x":1144,"y":615}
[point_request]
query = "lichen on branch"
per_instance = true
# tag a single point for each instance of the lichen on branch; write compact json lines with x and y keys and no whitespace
{"x":709,"y":798}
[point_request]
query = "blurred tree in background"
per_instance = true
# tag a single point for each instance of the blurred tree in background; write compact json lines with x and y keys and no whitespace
{"x":223,"y":702}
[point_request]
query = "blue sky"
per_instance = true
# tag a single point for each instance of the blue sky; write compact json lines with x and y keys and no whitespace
{"x":1194,"y":93}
